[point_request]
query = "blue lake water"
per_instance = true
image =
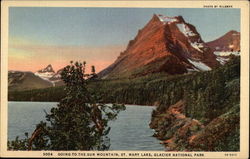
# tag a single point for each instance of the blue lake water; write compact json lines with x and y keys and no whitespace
{"x":129,"y":132}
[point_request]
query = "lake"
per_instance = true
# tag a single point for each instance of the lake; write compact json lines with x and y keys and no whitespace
{"x":129,"y":132}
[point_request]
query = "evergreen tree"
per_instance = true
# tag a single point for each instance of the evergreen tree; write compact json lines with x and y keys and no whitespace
{"x":93,"y":69}
{"x":93,"y":74}
{"x":78,"y":122}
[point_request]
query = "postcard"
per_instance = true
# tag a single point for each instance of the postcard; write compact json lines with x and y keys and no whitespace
{"x":125,"y":79}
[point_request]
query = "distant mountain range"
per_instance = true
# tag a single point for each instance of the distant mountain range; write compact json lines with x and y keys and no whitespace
{"x":46,"y":73}
{"x":44,"y":78}
{"x":18,"y":80}
{"x":225,"y":46}
{"x":49,"y":74}
{"x":165,"y":44}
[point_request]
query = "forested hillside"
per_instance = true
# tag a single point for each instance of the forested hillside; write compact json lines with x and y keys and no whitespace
{"x":206,"y":115}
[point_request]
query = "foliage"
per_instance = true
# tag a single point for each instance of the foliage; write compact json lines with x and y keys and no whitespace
{"x":52,"y":94}
{"x":211,"y":98}
{"x":77,"y":123}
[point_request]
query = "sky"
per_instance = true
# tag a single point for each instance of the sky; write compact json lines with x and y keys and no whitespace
{"x":39,"y":36}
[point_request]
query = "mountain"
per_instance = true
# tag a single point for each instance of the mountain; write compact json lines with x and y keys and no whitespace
{"x":226,"y":46}
{"x":229,"y":42}
{"x":165,"y":44}
{"x":50,"y":75}
{"x":18,"y":80}
{"x":46,"y":73}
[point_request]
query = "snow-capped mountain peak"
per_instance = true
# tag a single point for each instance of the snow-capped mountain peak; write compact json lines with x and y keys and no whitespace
{"x":46,"y":73}
{"x":49,"y":68}
{"x":165,"y":44}
{"x":167,"y":19}
{"x":186,"y":29}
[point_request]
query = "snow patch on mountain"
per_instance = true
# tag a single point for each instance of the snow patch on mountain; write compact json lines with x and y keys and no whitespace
{"x":200,"y":65}
{"x":222,"y":60}
{"x":185,"y":30}
{"x":224,"y":56}
{"x":166,"y":19}
{"x":189,"y":33}
{"x":236,"y":34}
{"x":46,"y":73}
{"x":45,"y":76}
{"x":190,"y":70}
{"x":197,"y":46}
{"x":226,"y":53}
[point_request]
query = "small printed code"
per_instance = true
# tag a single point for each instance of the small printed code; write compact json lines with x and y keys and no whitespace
{"x":230,"y":154}
{"x":47,"y":154}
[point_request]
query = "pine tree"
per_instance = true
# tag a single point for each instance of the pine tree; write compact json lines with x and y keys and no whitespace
{"x":93,"y":69}
{"x":93,"y":74}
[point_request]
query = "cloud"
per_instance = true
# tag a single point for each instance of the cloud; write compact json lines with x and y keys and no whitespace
{"x":31,"y":56}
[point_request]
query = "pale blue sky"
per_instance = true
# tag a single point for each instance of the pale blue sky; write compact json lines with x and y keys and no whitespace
{"x":109,"y":26}
{"x":40,"y":36}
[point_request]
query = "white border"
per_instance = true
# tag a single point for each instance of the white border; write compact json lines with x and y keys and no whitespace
{"x":244,"y":120}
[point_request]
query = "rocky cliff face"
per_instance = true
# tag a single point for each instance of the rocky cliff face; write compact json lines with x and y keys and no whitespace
{"x":165,"y":44}
{"x":181,"y":133}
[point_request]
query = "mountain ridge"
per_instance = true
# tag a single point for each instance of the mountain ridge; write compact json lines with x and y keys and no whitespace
{"x":225,"y":46}
{"x":230,"y":41}
{"x":21,"y":80}
{"x":168,"y":42}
